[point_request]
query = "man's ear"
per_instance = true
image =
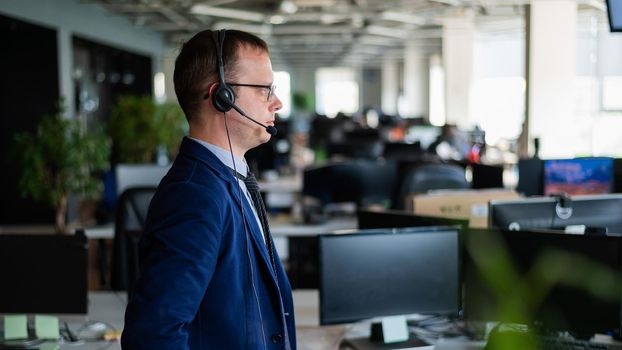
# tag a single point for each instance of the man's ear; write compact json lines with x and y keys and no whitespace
{"x":210,"y":91}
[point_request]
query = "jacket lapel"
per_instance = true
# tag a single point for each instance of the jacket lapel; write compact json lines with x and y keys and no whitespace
{"x":201,"y":154}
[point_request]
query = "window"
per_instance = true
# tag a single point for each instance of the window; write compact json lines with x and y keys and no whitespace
{"x":498,"y":88}
{"x":612,"y":93}
{"x":282,"y":80}
{"x":498,"y":106}
{"x":336,"y":91}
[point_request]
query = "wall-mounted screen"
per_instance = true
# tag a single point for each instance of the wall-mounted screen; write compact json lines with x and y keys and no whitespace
{"x":614,"y":9}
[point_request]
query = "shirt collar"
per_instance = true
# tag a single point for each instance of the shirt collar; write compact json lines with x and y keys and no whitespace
{"x":225,"y":157}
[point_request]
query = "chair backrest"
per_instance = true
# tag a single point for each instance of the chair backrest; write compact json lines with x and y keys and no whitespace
{"x":427,"y":177}
{"x":138,"y":175}
{"x":131,"y":215}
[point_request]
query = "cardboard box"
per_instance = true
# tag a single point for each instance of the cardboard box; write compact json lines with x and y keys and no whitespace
{"x":460,"y":204}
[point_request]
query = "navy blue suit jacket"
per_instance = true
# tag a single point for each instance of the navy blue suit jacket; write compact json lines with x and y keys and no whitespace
{"x":205,"y":280}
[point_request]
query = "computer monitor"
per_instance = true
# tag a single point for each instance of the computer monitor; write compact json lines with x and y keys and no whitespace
{"x":614,"y":10}
{"x":377,"y":273}
{"x":43,"y":274}
{"x":403,"y":151}
{"x":578,"y":176}
{"x":530,"y":177}
{"x":373,"y":219}
{"x":561,"y":292}
{"x":486,"y":176}
{"x":617,"y":175}
{"x":424,"y":134}
{"x":595,"y":213}
{"x":356,"y":149}
{"x":360,"y":181}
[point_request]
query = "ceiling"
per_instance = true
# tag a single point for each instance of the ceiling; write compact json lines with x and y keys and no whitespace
{"x":321,"y":32}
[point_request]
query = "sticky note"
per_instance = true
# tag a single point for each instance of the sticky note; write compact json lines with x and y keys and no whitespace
{"x":49,"y":347}
{"x":394,"y":329}
{"x":46,"y":327}
{"x":15,"y":327}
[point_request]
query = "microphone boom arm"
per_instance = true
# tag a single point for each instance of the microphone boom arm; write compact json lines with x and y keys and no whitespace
{"x":269,"y":128}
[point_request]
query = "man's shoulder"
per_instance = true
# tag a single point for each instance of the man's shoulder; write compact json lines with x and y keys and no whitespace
{"x":190,"y":192}
{"x":201,"y":172}
{"x":196,"y":179}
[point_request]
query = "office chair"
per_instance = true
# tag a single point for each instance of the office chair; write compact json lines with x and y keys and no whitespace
{"x":427,"y":177}
{"x":132,"y":209}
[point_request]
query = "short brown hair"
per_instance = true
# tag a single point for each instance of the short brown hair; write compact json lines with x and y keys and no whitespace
{"x":196,"y":65}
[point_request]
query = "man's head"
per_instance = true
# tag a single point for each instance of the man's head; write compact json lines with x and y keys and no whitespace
{"x":196,"y":66}
{"x":248,"y":71}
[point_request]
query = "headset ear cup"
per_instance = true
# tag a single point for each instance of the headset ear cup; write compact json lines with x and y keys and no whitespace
{"x":223,"y":98}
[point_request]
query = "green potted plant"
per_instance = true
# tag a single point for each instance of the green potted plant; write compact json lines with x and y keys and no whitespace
{"x":61,"y":159}
{"x":132,"y":130}
{"x":139,"y":127}
{"x":171,"y":126}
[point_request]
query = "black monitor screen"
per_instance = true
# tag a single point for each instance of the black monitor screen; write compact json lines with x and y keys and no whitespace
{"x":614,"y":9}
{"x":567,"y":292}
{"x":376,"y":273}
{"x":486,"y":176}
{"x":530,"y":177}
{"x":44,"y":274}
{"x":361,"y":181}
{"x":597,"y":212}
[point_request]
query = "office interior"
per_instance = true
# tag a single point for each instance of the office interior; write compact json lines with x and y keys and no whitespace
{"x":480,"y":138}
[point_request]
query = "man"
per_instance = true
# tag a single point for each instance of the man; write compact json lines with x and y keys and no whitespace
{"x":209,"y":277}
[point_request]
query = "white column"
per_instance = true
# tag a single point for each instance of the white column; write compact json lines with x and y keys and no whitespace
{"x":168,"y":68}
{"x":458,"y":42}
{"x":437,"y":91}
{"x":552,"y":58}
{"x":65,"y":73}
{"x":416,"y":81}
{"x":390,"y":86}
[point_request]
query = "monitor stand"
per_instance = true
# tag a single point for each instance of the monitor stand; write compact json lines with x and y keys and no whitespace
{"x":376,"y":340}
{"x":368,"y":344}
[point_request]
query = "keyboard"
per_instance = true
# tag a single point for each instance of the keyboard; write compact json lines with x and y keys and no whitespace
{"x":554,"y":343}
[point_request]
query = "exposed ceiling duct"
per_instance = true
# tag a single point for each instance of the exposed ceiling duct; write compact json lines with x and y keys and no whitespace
{"x":319,"y":32}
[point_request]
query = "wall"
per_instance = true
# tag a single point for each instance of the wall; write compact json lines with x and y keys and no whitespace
{"x":89,"y":21}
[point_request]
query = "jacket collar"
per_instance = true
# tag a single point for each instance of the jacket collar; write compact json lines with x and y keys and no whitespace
{"x":195,"y":150}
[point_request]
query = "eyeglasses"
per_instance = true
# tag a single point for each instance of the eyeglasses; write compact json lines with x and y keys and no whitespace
{"x":270,"y":88}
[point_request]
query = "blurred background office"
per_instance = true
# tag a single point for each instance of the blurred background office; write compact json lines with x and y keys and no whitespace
{"x":372,"y":91}
{"x":396,"y":113}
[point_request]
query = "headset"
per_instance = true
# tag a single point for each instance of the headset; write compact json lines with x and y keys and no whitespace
{"x":223,"y":100}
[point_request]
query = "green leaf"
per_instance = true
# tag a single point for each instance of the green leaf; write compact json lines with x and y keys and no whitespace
{"x":59,"y":158}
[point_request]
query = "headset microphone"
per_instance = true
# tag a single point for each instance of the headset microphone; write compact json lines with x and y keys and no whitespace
{"x":269,"y":128}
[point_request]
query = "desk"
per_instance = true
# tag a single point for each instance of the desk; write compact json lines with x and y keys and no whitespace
{"x":278,"y":229}
{"x":109,"y":307}
{"x":282,"y":192}
{"x":284,"y":184}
